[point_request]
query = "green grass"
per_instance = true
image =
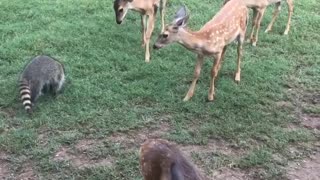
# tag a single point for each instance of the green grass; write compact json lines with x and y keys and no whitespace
{"x":110,"y":88}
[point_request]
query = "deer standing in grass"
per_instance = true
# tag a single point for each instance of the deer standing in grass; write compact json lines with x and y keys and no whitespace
{"x":148,"y":10}
{"x":160,"y":160}
{"x":211,"y":40}
{"x":259,"y":7}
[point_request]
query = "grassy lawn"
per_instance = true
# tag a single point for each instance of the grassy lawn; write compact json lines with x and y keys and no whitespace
{"x":112,"y":97}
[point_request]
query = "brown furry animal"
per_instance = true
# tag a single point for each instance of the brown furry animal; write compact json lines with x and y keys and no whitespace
{"x":160,"y":160}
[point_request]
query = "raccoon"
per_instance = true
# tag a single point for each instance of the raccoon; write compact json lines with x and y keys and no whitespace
{"x":43,"y":74}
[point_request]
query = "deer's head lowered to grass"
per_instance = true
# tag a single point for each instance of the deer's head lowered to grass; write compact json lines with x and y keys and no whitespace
{"x":145,"y":8}
{"x":121,"y":8}
{"x":171,"y":32}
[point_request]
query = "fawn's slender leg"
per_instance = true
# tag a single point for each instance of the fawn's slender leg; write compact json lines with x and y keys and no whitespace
{"x":277,"y":9}
{"x":162,"y":13}
{"x":222,"y":57}
{"x":239,"y":51}
{"x":254,"y":25}
{"x":214,"y":74}
{"x":143,"y":29}
{"x":260,"y":16}
{"x":150,"y":28}
{"x":290,"y":9}
{"x":197,"y":72}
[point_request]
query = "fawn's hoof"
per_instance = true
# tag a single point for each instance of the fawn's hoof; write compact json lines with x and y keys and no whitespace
{"x":187,"y":98}
{"x":147,"y":59}
{"x":237,"y":78}
{"x":210,"y":99}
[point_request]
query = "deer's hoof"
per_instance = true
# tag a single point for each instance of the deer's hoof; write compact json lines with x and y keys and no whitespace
{"x":185,"y":99}
{"x":210,"y":99}
{"x":237,"y":78}
{"x":147,"y":58}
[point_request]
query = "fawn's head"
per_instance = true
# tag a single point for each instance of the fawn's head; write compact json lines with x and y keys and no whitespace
{"x":171,"y":31}
{"x":121,"y":8}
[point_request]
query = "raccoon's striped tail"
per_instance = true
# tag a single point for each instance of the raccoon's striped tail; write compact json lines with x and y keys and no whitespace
{"x":25,"y":94}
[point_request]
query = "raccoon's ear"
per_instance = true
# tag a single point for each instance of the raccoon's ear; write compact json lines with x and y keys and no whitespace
{"x":176,"y":174}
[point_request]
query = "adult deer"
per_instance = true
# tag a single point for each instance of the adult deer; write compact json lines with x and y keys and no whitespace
{"x":259,"y":7}
{"x":145,"y":8}
{"x":211,"y":40}
{"x":161,"y":160}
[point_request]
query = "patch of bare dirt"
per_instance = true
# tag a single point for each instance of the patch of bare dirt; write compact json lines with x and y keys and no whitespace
{"x":308,"y":169}
{"x":85,"y":144}
{"x":134,"y":138}
{"x":4,"y":166}
{"x":131,"y":139}
{"x":311,"y":98}
{"x":80,"y":160}
{"x":214,"y":145}
{"x":27,"y":173}
{"x":229,"y":174}
{"x":43,"y":136}
{"x":8,"y":112}
{"x":311,"y":121}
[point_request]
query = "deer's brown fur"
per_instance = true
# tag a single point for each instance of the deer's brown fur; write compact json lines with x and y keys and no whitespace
{"x":148,"y":10}
{"x":212,"y":39}
{"x":259,"y":7}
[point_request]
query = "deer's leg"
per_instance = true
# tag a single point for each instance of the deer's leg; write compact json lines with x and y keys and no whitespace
{"x":290,"y":9}
{"x":260,"y":16}
{"x":277,"y":9}
{"x":143,"y":29}
{"x":239,"y":51}
{"x":197,"y":72}
{"x":150,"y":27}
{"x":214,"y":74}
{"x":222,"y":57}
{"x":254,"y":24}
{"x":162,"y":12}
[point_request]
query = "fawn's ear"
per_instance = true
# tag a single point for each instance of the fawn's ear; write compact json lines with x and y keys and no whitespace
{"x":176,"y":174}
{"x":181,"y":17}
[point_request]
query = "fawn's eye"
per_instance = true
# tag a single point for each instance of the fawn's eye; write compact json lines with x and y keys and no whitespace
{"x":164,"y":35}
{"x":175,"y":27}
{"x":120,"y":10}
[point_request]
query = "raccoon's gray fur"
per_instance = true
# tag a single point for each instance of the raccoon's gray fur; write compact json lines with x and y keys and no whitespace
{"x":41,"y":75}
